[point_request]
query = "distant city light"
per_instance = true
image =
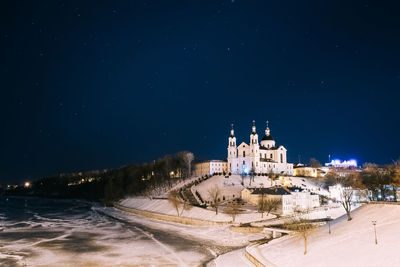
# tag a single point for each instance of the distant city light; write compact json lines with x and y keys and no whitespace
{"x":27,"y":184}
{"x":343,"y":164}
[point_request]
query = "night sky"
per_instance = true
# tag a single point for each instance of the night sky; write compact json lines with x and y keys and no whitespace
{"x":94,"y":84}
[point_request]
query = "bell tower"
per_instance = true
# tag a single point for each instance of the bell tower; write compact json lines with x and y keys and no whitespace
{"x":254,"y":148}
{"x":232,"y":151}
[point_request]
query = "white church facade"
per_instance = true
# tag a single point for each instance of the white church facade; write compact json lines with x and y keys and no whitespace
{"x":259,"y":157}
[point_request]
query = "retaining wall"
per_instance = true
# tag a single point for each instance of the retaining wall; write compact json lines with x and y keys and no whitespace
{"x":246,"y":230}
{"x":254,"y":256}
{"x":170,"y":218}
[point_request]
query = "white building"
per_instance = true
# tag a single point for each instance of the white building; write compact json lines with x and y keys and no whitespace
{"x":210,"y":167}
{"x":263,"y":157}
{"x":291,"y":198}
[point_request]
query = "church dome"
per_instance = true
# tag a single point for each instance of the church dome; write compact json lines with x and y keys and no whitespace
{"x":267,"y":138}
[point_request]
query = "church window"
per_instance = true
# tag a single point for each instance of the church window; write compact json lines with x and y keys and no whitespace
{"x":244,"y":153}
{"x":281,"y":158}
{"x":256,"y":164}
{"x":268,"y":146}
{"x":244,"y":163}
{"x":252,"y":164}
{"x":270,"y":156}
{"x":260,"y":155}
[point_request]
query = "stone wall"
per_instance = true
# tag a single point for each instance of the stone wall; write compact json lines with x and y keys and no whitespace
{"x":170,"y":218}
{"x":246,"y":229}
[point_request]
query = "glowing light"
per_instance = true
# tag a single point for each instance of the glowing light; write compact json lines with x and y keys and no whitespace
{"x":27,"y":184}
{"x":343,"y":164}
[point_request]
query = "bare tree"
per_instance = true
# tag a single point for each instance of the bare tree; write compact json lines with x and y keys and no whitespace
{"x":178,"y":202}
{"x":148,"y":192}
{"x":252,"y":173}
{"x":346,"y":189}
{"x":267,"y":204}
{"x":242,"y":175}
{"x":271,"y":176}
{"x":394,"y":173}
{"x":233,"y":209}
{"x":314,"y":163}
{"x":188,"y":157}
{"x":301,"y":227}
{"x":346,"y":195}
{"x":215,"y":196}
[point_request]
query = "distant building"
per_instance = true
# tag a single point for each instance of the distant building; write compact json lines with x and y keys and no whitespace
{"x":291,"y":198}
{"x":210,"y":167}
{"x":263,"y":157}
{"x":305,"y":171}
{"x":336,"y":163}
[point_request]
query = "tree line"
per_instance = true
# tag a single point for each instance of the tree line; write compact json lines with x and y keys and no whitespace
{"x":111,"y":185}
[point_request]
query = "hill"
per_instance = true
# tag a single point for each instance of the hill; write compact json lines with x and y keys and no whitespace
{"x":352,"y":243}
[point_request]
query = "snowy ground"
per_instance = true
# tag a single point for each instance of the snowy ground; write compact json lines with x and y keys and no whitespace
{"x":231,"y":187}
{"x":45,"y":232}
{"x":350,"y":244}
{"x":230,"y":259}
{"x":164,"y":207}
{"x":333,"y":210}
{"x":219,"y":235}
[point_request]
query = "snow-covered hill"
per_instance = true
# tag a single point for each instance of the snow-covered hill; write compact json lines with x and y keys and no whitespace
{"x":352,"y":243}
{"x":164,"y":207}
{"x":231,"y":187}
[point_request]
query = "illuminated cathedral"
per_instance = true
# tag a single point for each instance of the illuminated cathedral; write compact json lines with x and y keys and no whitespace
{"x":259,"y":157}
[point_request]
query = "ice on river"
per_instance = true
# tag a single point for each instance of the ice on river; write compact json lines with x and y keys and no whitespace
{"x":38,"y":232}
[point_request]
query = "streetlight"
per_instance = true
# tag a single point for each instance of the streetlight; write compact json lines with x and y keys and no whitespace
{"x":376,"y":239}
{"x":329,"y":223}
{"x":328,"y":218}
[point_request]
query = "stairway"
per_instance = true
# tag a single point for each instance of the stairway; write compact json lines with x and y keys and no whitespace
{"x":187,"y":193}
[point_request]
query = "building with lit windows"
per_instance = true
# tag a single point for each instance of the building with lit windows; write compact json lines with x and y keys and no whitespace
{"x":211,"y":167}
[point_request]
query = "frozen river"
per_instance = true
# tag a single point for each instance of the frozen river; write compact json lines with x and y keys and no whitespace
{"x":48,"y":232}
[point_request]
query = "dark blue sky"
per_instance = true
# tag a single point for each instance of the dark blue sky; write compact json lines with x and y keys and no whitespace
{"x":95,"y":84}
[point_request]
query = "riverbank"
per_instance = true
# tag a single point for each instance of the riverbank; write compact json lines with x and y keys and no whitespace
{"x":49,"y":232}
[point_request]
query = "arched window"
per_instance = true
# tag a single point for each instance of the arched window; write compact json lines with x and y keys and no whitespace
{"x":281,"y":158}
{"x":244,"y":154}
